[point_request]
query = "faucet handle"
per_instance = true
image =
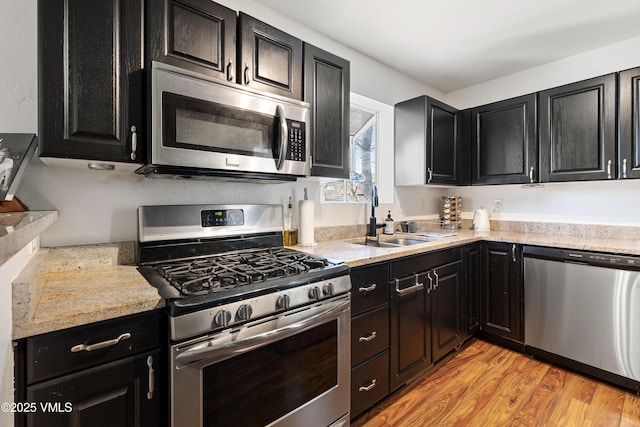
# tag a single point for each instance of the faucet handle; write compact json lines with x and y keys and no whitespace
{"x":374,"y":196}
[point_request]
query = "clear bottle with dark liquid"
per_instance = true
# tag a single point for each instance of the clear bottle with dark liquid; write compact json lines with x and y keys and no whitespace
{"x":290,"y":235}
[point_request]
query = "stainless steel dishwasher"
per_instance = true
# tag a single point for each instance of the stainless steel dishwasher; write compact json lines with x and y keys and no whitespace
{"x":584,"y":307}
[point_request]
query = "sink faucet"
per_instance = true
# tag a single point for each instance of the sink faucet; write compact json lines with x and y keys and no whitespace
{"x":371,"y":230}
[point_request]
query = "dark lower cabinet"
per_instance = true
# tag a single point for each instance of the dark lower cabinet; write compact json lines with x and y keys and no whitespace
{"x":629,"y":140}
{"x":471,"y":299}
{"x":115,"y":394}
{"x":197,"y":35}
{"x":447,"y":331}
{"x":369,"y":336}
{"x":90,"y":79}
{"x":110,"y":373}
{"x":504,"y":142}
{"x":577,"y":130}
{"x":327,"y":89}
{"x":268,"y":58}
{"x":502,"y":310}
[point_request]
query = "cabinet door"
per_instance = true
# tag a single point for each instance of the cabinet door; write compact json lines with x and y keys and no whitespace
{"x":504,"y":148}
{"x":198,"y":35}
{"x":578,"y":131}
{"x":122,"y":393}
{"x":90,"y":61}
{"x":410,"y":329}
{"x":426,"y":142}
{"x":502,"y":293}
{"x":327,"y":86}
{"x":471,"y":264}
{"x":629,"y":158}
{"x":270,"y":59}
{"x":446,"y":309}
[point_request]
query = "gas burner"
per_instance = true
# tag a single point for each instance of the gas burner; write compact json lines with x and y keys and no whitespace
{"x":209,"y":274}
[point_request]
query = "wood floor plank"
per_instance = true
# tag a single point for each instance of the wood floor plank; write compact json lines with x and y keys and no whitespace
{"x":545,"y":396}
{"x":630,"y":411}
{"x":606,"y":406}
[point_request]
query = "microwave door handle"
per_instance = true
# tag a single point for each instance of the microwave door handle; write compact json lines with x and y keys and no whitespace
{"x":284,"y":140}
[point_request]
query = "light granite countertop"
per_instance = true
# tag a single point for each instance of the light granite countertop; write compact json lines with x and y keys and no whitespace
{"x":71,"y":286}
{"x":356,"y":255}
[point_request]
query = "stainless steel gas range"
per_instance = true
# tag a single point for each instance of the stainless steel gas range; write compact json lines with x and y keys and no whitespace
{"x":259,"y":332}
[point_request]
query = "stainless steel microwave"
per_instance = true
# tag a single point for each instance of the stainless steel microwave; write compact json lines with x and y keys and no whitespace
{"x":208,"y":127}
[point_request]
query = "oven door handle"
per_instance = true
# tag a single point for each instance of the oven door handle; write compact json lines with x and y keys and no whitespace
{"x":216,"y":354}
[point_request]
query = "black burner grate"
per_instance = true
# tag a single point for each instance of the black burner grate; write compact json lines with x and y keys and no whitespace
{"x":223,"y":271}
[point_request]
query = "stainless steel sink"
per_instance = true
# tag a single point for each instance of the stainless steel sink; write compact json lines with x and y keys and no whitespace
{"x":391,"y":243}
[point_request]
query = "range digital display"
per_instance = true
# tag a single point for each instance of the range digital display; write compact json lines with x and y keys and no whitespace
{"x":221,"y":218}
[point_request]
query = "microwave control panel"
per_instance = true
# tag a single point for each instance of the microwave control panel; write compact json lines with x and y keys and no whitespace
{"x":297,"y":141}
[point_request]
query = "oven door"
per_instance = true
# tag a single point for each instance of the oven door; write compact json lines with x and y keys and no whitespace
{"x":280,"y":371}
{"x":210,"y":124}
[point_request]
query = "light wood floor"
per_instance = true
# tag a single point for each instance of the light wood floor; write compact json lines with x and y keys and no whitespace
{"x":486,"y":385}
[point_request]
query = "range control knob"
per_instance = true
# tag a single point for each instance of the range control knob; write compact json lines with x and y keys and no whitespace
{"x":328,"y":289}
{"x":314,"y":293}
{"x":284,"y":302}
{"x":244,"y":312}
{"x":222,"y":318}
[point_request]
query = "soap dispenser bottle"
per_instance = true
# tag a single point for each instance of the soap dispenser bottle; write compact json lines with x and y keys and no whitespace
{"x":388,"y":224}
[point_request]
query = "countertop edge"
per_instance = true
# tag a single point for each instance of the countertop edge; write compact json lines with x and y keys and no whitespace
{"x":19,"y":228}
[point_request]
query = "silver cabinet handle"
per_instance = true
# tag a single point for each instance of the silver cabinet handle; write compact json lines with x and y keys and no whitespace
{"x":370,"y":337}
{"x":246,"y":75}
{"x":230,"y":71}
{"x":430,"y":175}
{"x":103,"y":344}
{"x":152,"y":380}
{"x":369,"y":387}
{"x":609,"y":169}
{"x":431,"y":288}
{"x":368,"y":288}
{"x":435,"y":286}
{"x":624,"y":168}
{"x":513,"y":253}
{"x":134,"y":142}
{"x":531,"y":175}
{"x":284,"y":138}
{"x":409,"y":290}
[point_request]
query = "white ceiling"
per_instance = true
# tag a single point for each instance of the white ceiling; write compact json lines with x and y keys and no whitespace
{"x":452,"y":44}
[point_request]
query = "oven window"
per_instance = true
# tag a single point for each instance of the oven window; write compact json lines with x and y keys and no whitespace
{"x":257,"y":388}
{"x":203,"y":125}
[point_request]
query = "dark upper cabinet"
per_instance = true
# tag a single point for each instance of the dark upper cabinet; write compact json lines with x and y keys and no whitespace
{"x":426,"y":142}
{"x":577,"y":129}
{"x":327,"y":89}
{"x":502,"y":290}
{"x":629,"y":139}
{"x":90,"y":86}
{"x":504,"y":144}
{"x":269,"y":59}
{"x":197,"y":35}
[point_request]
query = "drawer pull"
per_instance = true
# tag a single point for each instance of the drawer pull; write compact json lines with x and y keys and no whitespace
{"x":370,"y":337}
{"x":369,"y":387}
{"x":152,"y":381}
{"x":368,"y":288}
{"x":411,"y":289}
{"x":103,"y":344}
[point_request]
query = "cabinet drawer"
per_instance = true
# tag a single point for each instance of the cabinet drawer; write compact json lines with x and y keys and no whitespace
{"x":369,"y":334}
{"x":69,"y":350}
{"x":369,"y":288}
{"x":364,"y":391}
